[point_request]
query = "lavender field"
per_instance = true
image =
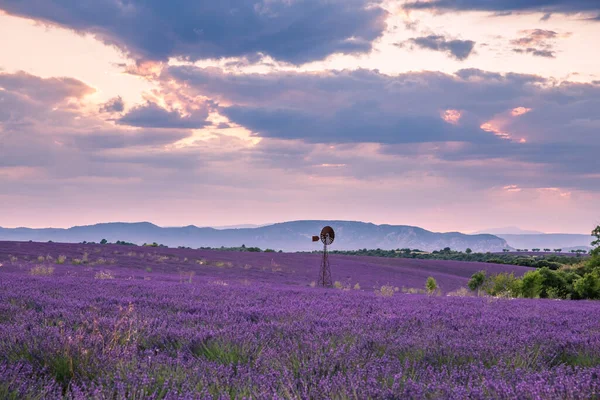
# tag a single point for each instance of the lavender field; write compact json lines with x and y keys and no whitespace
{"x":113,"y":322}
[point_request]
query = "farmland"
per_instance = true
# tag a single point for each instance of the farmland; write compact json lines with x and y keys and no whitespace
{"x":92,"y":321}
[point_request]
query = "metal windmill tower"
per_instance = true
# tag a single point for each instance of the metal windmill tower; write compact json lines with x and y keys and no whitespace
{"x":327,"y":236}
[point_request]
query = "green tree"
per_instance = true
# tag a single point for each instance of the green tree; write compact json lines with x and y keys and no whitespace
{"x":505,"y":284}
{"x":588,"y":286}
{"x":431,"y":285}
{"x":531,"y":284}
{"x":103,"y":241}
{"x":468,"y":251}
{"x":477,"y":280}
{"x":596,"y":234}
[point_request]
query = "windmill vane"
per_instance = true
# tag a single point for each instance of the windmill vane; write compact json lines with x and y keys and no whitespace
{"x":327,"y":237}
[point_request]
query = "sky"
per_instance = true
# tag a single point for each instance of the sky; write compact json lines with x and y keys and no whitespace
{"x":451,"y":115}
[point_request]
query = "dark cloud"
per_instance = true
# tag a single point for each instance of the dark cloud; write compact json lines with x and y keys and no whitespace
{"x":459,"y":49}
{"x":534,"y":37}
{"x":42,"y":125}
{"x":151,"y":115}
{"x":536,"y":52}
{"x":114,"y":105}
{"x":407,"y":110}
{"x":223,"y":125}
{"x":507,"y":6}
{"x":105,"y":139}
{"x":292,"y":31}
{"x":537,"y":42}
{"x":361,"y":106}
{"x":49,"y":90}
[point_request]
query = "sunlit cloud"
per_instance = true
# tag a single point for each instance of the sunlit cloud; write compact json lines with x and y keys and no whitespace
{"x":516,"y":112}
{"x":452,"y":116}
{"x":492,"y":127}
{"x":512,"y":188}
{"x":553,"y":191}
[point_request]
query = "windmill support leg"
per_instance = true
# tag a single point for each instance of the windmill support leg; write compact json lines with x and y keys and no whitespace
{"x":325,"y":272}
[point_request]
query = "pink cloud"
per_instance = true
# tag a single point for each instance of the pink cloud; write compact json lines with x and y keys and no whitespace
{"x":516,"y":112}
{"x":452,"y":116}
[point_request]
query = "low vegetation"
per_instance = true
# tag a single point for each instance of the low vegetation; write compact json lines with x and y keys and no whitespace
{"x":42,"y":270}
{"x":577,"y":282}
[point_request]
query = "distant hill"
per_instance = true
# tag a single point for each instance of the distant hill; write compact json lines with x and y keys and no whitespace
{"x":243,"y":226}
{"x":509,"y":230}
{"x":563,"y":241}
{"x":287,"y":236}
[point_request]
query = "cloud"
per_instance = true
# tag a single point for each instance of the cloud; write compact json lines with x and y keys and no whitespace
{"x":325,"y":136}
{"x":459,"y":49}
{"x":521,"y":121}
{"x":359,"y":106}
{"x":114,"y":105}
{"x":291,"y":31}
{"x":151,"y":115}
{"x":116,"y":139}
{"x":536,"y":52}
{"x":504,"y":6}
{"x":49,"y":90}
{"x":44,"y":124}
{"x":538,"y":42}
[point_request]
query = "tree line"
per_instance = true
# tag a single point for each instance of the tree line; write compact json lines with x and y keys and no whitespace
{"x":570,"y":282}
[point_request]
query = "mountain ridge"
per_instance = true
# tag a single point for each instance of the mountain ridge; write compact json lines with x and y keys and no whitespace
{"x":287,"y":236}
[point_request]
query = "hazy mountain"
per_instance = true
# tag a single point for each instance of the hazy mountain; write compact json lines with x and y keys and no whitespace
{"x":287,"y":236}
{"x":243,"y":226}
{"x":549,"y":240}
{"x":510,"y":230}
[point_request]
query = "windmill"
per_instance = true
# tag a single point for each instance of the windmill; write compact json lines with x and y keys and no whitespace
{"x":327,"y":236}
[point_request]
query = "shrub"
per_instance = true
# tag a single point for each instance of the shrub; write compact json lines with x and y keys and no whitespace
{"x":588,"y":286}
{"x":41,"y":259}
{"x":413,"y":291}
{"x":477,"y":280}
{"x":431,"y":285}
{"x":61,"y":259}
{"x":357,"y":287}
{"x":385,"y":291}
{"x":505,"y":285}
{"x":41,"y":270}
{"x":148,"y":269}
{"x":104,"y":275}
{"x":531,"y":284}
{"x":462,"y":292}
{"x":76,"y":261}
